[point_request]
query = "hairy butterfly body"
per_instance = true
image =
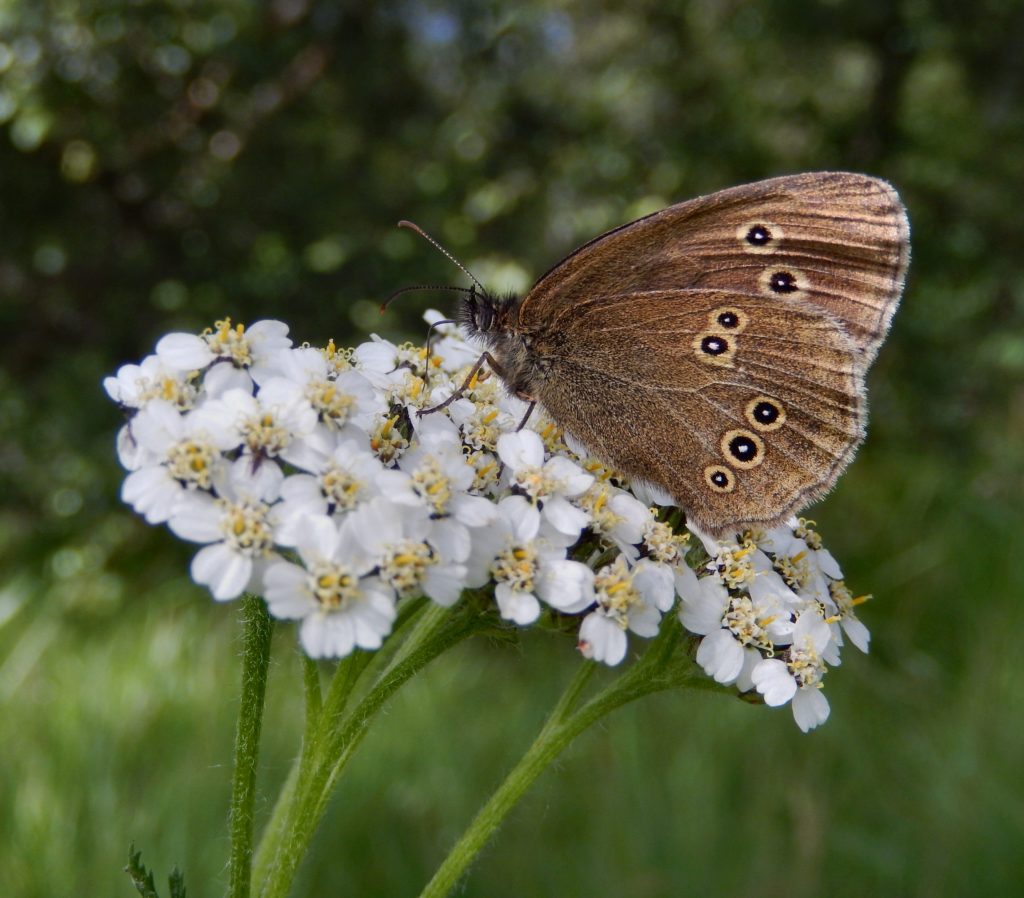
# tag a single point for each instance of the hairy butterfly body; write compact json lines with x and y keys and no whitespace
{"x":718,"y":348}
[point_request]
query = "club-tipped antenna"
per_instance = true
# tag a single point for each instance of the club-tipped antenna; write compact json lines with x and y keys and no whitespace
{"x":414,"y":227}
{"x":447,"y":287}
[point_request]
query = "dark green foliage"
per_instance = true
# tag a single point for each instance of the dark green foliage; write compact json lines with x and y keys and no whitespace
{"x":142,"y":878}
{"x":165,"y":164}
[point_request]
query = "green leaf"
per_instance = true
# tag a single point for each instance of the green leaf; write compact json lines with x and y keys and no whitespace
{"x":142,"y":878}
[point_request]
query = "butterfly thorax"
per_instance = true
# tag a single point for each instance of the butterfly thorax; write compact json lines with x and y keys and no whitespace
{"x":494,"y":319}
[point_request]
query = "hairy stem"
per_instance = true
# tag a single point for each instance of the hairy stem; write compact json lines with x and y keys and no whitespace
{"x":257,"y":629}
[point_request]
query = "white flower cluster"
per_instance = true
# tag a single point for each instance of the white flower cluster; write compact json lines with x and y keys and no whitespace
{"x":310,"y":477}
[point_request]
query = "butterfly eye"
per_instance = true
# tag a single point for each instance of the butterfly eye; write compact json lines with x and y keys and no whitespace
{"x":765,"y":414}
{"x":720,"y":479}
{"x":742,"y":449}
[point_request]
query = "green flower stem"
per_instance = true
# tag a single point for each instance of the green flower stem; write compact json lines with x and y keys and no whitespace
{"x":357,"y":667}
{"x":311,"y":690}
{"x":279,"y":816}
{"x":256,"y":635}
{"x":663,"y":666}
{"x":339,"y":734}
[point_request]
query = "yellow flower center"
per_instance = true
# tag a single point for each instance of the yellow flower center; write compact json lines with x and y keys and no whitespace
{"x":191,"y":462}
{"x":404,"y":566}
{"x":340,"y":487}
{"x":387,"y":441}
{"x":517,"y":566}
{"x":844,"y":599}
{"x":180,"y":394}
{"x":332,"y":405}
{"x":806,"y":665}
{"x":663,"y":544}
{"x":616,"y":594}
{"x":742,"y":620}
{"x":431,"y":484}
{"x":602,"y":519}
{"x":229,"y":342}
{"x":482,"y":429}
{"x":334,"y":586}
{"x":245,"y":527}
{"x":485,"y":470}
{"x":805,"y":531}
{"x":338,"y":360}
{"x":795,"y":571}
{"x":263,"y":434}
{"x":735,"y":566}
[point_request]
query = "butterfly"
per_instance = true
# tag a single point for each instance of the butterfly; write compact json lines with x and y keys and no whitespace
{"x":715,"y":350}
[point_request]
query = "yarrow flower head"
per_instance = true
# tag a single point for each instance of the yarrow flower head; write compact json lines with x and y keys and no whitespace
{"x":328,"y":481}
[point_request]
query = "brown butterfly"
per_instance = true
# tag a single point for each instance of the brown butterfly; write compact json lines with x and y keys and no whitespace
{"x":718,"y":348}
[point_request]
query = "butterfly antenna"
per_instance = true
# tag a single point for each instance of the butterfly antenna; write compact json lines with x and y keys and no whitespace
{"x":414,"y":227}
{"x":400,"y":291}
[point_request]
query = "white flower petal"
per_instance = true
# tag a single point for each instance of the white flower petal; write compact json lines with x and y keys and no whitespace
{"x":751,"y":658}
{"x":224,"y":377}
{"x":857,"y":633}
{"x":153,"y":493}
{"x":655,"y":583}
{"x":566,"y":585}
{"x":158,"y":426}
{"x":130,"y":454}
{"x":444,"y":583}
{"x":644,"y":620}
{"x":774,"y":681}
{"x":327,"y":635}
{"x":473,"y":511}
{"x":184,"y":352}
{"x":523,"y":449}
{"x":602,"y":639}
{"x":286,"y":592}
{"x":196,"y":518}
{"x":574,"y":480}
{"x":564,"y":516}
{"x":520,"y":607}
{"x":255,"y":480}
{"x":721,"y":656}
{"x":702,"y":611}
{"x":451,"y":539}
{"x":829,"y":566}
{"x":319,"y":541}
{"x":373,"y":616}
{"x":225,"y":572}
{"x":810,"y":709}
{"x":522,"y":516}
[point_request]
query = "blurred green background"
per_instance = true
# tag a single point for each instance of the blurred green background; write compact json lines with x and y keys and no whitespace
{"x":164,"y":164}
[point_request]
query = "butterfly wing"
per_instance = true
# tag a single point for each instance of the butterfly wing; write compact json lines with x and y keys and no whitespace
{"x":835,"y":240}
{"x":743,"y":407}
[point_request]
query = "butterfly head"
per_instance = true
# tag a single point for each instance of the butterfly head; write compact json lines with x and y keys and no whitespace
{"x":488,"y":315}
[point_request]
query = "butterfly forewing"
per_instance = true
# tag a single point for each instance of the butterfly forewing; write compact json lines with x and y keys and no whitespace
{"x":837,"y":241}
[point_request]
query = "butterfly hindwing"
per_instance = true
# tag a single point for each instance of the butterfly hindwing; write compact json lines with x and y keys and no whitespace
{"x":744,"y":408}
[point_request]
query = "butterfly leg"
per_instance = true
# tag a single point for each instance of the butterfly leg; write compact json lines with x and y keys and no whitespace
{"x":430,"y":347}
{"x":526,"y":417}
{"x":473,"y":372}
